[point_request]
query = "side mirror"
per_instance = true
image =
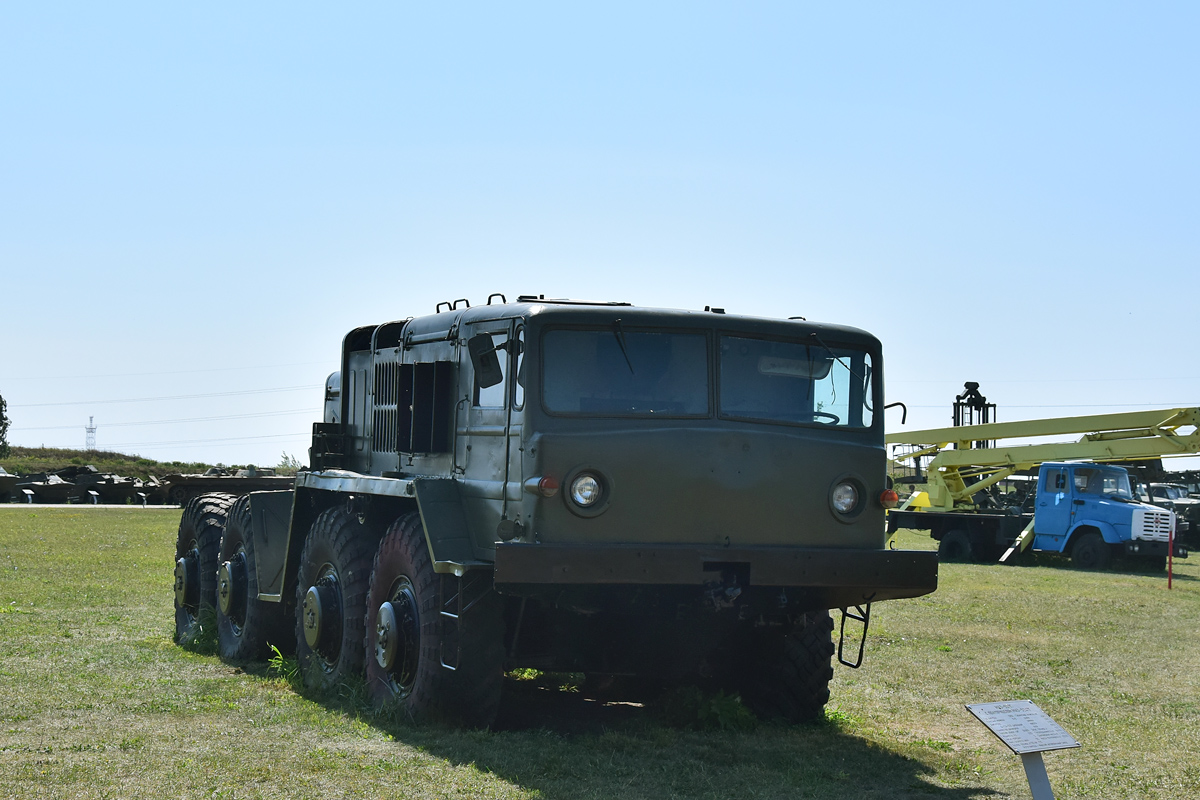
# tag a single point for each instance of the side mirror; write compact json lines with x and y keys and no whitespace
{"x":484,"y":360}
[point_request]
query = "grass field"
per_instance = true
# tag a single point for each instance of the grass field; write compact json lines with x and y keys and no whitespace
{"x":98,"y":702}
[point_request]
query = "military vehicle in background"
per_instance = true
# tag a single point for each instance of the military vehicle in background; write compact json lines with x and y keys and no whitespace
{"x":182,"y":488}
{"x":1176,"y":498}
{"x":154,"y":490}
{"x":46,"y":487}
{"x":8,"y":485}
{"x":109,"y":488}
{"x":673,"y":496}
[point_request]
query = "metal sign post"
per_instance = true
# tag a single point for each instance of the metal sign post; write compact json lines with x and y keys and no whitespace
{"x":1028,"y":731}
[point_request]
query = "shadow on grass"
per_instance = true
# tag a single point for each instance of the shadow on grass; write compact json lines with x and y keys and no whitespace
{"x":1123,"y":565}
{"x":567,"y":745}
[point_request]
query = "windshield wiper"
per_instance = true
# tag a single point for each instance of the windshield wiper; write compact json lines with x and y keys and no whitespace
{"x":620,"y":334}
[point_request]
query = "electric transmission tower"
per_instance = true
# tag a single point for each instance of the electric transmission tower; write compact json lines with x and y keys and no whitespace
{"x":91,"y":434}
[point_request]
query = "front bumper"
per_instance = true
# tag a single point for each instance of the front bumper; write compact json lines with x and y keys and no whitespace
{"x":1138,"y":547}
{"x":833,"y":578}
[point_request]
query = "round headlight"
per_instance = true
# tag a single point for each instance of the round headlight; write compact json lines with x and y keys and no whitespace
{"x":585,"y":490}
{"x":845,"y":497}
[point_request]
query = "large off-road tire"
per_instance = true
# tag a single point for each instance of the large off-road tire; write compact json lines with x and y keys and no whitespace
{"x":955,"y":547}
{"x":246,"y":626}
{"x":407,"y":637}
{"x":1090,"y":551}
{"x":331,"y":592}
{"x":196,"y":548}
{"x":787,"y":676}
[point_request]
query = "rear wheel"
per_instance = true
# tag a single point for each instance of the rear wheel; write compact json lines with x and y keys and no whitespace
{"x":331,"y":590}
{"x":407,"y":637}
{"x":246,"y":626}
{"x":196,"y":547}
{"x":1090,"y":551}
{"x":788,"y":676}
{"x":955,"y":547}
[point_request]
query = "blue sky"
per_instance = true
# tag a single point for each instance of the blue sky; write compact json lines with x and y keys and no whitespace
{"x":197,"y":201}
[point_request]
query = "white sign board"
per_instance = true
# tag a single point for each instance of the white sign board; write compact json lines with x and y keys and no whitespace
{"x":1022,"y":726}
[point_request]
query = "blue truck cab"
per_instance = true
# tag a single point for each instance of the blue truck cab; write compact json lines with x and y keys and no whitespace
{"x":1089,"y":512}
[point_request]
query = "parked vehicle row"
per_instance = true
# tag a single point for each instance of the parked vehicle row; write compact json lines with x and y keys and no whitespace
{"x":86,"y":484}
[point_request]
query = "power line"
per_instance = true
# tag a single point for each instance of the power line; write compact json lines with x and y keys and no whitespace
{"x":990,"y":381}
{"x":210,"y":441}
{"x":174,"y":421}
{"x":1148,"y":406}
{"x":171,"y":397}
{"x":156,"y":373}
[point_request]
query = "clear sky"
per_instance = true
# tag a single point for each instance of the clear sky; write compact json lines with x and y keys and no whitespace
{"x":198,"y":200}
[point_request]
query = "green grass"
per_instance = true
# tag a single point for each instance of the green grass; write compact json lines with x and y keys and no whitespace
{"x":99,"y":703}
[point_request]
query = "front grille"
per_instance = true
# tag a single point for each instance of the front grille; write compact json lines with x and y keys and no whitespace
{"x":1151,"y":526}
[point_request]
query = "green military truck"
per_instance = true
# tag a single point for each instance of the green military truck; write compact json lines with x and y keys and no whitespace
{"x":681,"y":496}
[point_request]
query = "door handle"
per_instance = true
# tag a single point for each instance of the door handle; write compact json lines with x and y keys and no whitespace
{"x":1077,"y":502}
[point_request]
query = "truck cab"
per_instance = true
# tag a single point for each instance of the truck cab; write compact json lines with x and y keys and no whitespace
{"x":1089,"y":511}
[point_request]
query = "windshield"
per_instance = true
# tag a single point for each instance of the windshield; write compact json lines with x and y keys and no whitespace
{"x":1106,"y":482}
{"x":622,"y":372}
{"x":775,"y":381}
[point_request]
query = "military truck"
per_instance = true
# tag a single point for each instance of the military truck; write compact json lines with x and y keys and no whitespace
{"x":182,"y":488}
{"x":679,"y":496}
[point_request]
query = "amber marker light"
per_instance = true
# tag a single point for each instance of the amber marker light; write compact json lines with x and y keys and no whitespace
{"x":889,"y":499}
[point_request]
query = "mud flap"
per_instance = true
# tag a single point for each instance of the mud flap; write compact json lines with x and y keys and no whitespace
{"x":859,"y":614}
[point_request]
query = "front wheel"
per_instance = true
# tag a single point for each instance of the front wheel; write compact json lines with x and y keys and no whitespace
{"x":1091,"y":552}
{"x":409,"y":639}
{"x":788,"y":675}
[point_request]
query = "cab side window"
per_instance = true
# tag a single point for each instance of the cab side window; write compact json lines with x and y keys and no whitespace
{"x":493,"y":396}
{"x":519,"y":358}
{"x":1056,"y":481}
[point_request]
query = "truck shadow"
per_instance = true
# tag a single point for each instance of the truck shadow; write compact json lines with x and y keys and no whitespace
{"x":564,"y":745}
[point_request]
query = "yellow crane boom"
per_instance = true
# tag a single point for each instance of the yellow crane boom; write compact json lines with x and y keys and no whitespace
{"x":958,"y":469}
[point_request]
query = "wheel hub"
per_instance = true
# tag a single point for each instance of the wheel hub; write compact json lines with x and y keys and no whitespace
{"x":322,"y":616}
{"x":186,"y":579}
{"x":385,"y":637}
{"x":231,"y":585}
{"x":398,"y":637}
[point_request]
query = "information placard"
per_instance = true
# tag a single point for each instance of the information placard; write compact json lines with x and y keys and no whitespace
{"x":1022,"y":726}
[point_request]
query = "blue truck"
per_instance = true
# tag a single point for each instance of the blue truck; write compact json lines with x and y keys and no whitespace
{"x":1083,"y":510}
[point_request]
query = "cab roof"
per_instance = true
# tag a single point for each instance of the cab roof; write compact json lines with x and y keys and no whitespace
{"x":445,"y":323}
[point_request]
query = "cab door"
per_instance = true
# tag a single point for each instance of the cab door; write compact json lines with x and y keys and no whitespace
{"x":1054,"y":505}
{"x":488,"y":446}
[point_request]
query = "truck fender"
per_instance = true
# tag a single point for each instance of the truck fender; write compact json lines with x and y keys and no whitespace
{"x":270,"y":524}
{"x":1107,"y":531}
{"x":440,"y":503}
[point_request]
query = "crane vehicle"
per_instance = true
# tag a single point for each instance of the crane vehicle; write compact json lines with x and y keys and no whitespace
{"x":962,"y":508}
{"x":569,"y":486}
